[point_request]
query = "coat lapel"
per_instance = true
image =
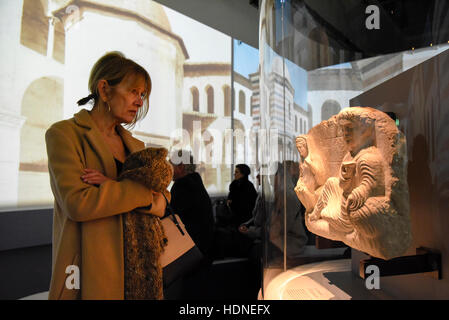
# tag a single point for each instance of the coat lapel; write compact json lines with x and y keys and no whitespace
{"x":94,"y":138}
{"x":130,"y":142}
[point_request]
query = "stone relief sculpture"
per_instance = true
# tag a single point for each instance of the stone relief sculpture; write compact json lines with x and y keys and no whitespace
{"x":353,"y":182}
{"x":311,"y":174}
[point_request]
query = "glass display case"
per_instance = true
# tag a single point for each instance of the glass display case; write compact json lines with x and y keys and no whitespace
{"x":316,"y":59}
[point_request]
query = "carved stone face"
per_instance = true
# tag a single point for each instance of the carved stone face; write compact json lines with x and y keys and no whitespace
{"x":348,"y":170}
{"x":302,"y":148}
{"x":348,"y":133}
{"x":355,"y":135}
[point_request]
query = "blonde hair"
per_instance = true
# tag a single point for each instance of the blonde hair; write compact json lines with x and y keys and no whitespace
{"x":114,"y":67}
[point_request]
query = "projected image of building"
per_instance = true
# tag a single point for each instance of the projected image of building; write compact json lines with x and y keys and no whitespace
{"x":49,"y":48}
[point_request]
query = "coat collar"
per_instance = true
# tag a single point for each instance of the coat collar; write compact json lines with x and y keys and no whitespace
{"x":93,"y":135}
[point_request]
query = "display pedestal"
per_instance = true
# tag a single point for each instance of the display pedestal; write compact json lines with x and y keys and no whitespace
{"x":426,"y":261}
{"x":327,"y":280}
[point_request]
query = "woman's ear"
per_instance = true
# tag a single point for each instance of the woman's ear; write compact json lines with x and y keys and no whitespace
{"x":103,"y":90}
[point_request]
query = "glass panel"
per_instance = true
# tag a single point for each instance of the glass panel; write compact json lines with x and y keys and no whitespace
{"x":245,"y":120}
{"x":319,"y":57}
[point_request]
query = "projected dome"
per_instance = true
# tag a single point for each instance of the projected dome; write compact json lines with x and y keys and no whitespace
{"x":146,"y":9}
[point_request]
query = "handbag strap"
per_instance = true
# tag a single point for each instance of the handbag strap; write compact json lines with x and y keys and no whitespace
{"x":172,"y":214}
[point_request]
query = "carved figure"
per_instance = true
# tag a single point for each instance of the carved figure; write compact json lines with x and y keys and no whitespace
{"x":310,"y":174}
{"x":364,"y":201}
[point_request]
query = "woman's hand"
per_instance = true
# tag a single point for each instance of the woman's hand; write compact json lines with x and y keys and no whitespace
{"x":158,"y":205}
{"x":93,"y":177}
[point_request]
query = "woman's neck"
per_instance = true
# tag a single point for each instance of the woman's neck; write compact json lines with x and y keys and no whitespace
{"x":104,"y":120}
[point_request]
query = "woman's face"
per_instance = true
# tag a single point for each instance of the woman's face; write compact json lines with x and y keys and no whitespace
{"x":237,"y":174}
{"x":127,"y":98}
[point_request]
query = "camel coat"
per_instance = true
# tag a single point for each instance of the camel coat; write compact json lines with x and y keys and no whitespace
{"x":87,"y":221}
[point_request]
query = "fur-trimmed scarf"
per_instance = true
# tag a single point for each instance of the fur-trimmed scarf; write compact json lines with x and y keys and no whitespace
{"x":143,"y":234}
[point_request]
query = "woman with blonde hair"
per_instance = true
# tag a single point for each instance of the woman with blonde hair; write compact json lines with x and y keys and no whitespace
{"x":85,"y":155}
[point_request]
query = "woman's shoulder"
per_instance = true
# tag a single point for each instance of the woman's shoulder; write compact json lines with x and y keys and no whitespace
{"x":68,"y":129}
{"x":234,"y":186}
{"x":63,"y":126}
{"x":235,"y":183}
{"x":80,"y":120}
{"x":62,"y":135}
{"x":243,"y":185}
{"x":248,"y":183}
{"x":252,"y":189}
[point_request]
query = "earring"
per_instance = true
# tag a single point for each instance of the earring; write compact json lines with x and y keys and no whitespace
{"x":109,"y":107}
